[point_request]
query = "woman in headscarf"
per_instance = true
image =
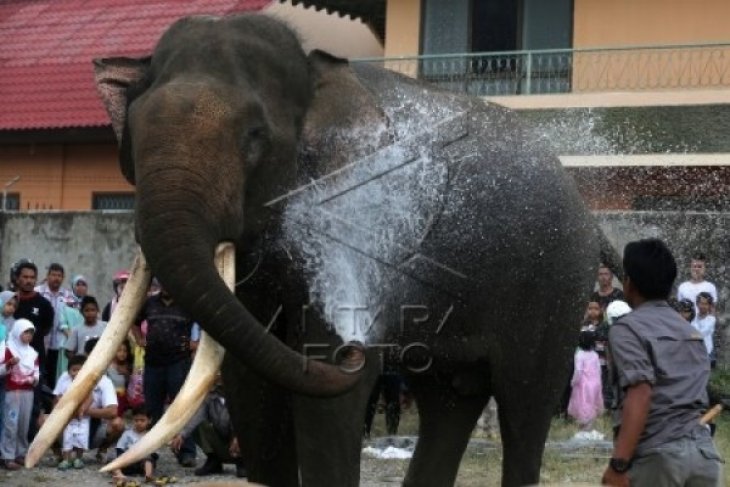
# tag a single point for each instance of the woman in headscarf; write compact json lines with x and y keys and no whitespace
{"x":70,"y":318}
{"x":79,"y":289}
{"x":8,"y":304}
{"x":19,"y":365}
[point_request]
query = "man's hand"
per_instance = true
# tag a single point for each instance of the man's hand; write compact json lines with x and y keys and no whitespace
{"x":13,"y":361}
{"x":615,"y":479}
{"x":234,"y":449}
{"x":176,"y":443}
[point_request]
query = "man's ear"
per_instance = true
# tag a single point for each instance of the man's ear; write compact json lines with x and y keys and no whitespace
{"x":118,"y":81}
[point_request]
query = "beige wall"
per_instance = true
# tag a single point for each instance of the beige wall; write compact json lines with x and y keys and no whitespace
{"x":402,"y":28}
{"x":61,"y":177}
{"x":601,"y":23}
{"x":337,"y":35}
{"x":617,"y":23}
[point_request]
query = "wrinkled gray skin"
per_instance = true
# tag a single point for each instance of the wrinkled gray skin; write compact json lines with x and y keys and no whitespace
{"x":488,"y":269}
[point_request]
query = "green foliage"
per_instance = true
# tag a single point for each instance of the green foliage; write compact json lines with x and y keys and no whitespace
{"x":719,"y":386}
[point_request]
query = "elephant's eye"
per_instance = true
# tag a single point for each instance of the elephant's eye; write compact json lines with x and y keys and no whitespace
{"x":255,"y":143}
{"x":256,"y":132}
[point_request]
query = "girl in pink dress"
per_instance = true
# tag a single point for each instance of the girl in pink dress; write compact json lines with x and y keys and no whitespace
{"x":586,"y":398}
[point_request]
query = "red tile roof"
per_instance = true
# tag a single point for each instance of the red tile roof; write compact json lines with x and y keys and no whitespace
{"x":46,"y":49}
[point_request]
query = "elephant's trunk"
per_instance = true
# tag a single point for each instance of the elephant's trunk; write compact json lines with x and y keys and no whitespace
{"x":179,"y":241}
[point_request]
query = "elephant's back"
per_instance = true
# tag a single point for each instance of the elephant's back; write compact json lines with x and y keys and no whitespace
{"x":461,"y":211}
{"x":505,"y":200}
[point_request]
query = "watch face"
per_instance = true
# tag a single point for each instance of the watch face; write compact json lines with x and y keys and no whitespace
{"x":619,"y":465}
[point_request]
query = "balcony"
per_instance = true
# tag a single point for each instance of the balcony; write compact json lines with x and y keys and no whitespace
{"x":641,"y":68}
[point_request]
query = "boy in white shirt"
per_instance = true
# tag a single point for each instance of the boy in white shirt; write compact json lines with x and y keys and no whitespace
{"x":76,"y":433}
{"x":697,"y":283}
{"x":704,"y":322}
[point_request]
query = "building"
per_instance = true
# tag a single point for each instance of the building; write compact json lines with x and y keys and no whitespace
{"x":616,"y":85}
{"x":57,"y":150}
{"x":634,"y":94}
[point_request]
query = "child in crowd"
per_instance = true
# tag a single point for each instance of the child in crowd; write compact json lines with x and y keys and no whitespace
{"x":685,"y":308}
{"x":140,"y":424}
{"x":704,"y":322}
{"x":76,"y":433}
{"x":8,"y":302}
{"x":119,"y":371}
{"x":615,"y":310}
{"x":92,"y":327}
{"x":595,"y":322}
{"x":586,"y":398}
{"x":70,"y":318}
{"x":594,"y":317}
{"x":19,"y":365}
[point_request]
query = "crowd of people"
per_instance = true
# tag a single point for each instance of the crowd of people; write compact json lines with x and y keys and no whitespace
{"x":649,"y":366}
{"x":46,"y":333}
{"x":641,"y":353}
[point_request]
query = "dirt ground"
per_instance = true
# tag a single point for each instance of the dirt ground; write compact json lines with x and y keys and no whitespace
{"x":375,"y":473}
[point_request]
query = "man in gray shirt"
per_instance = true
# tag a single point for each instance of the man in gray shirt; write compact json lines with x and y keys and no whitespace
{"x":660,"y":371}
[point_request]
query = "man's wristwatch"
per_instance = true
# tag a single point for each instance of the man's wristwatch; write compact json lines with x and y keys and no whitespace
{"x":619,"y":465}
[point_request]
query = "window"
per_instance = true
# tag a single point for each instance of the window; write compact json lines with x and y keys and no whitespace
{"x":11,"y":203}
{"x":112,"y":201}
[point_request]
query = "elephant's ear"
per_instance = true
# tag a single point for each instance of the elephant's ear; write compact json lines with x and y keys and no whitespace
{"x":119,"y":80}
{"x":343,"y":119}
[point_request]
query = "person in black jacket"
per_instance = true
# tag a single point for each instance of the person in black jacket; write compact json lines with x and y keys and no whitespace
{"x":38,"y":310}
{"x":212,"y":430}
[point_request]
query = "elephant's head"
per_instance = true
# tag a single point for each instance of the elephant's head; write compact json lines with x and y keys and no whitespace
{"x":209,"y":127}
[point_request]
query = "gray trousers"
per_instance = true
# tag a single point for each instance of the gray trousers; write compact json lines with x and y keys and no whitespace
{"x":687,"y":462}
{"x":16,"y":419}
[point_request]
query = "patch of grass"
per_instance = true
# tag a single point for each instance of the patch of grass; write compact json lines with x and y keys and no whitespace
{"x":485,"y":468}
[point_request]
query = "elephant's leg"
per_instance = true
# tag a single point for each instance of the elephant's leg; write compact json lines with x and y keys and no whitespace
{"x":329,"y":434}
{"x":524,"y":422}
{"x":262,"y":420}
{"x":524,"y":426}
{"x":446,"y":421}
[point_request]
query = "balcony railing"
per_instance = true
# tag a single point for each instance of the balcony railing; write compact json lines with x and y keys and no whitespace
{"x":571,"y":70}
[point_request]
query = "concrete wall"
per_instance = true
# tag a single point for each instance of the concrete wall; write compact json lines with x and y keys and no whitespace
{"x":97,"y":244}
{"x":94,"y":244}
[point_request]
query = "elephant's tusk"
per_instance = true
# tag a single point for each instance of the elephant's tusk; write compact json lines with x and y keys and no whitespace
{"x":114,"y":334}
{"x":199,"y":381}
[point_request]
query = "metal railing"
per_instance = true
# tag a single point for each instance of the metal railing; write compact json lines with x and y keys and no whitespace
{"x":571,"y":70}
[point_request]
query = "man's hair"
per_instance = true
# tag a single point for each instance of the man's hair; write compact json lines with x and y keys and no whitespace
{"x":24,"y":265}
{"x":705,"y":295}
{"x":55,"y":266}
{"x":140,"y":410}
{"x":651,"y":267}
{"x":76,"y":360}
{"x":699,"y":256}
{"x":89,"y":299}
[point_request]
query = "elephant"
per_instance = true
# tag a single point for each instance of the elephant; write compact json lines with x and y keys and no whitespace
{"x":366,"y":207}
